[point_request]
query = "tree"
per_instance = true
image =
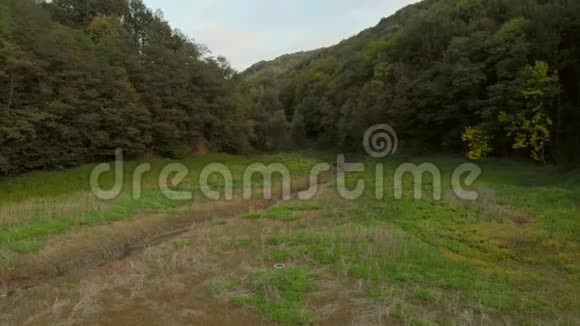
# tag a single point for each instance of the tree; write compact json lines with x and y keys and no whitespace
{"x":104,"y":28}
{"x":298,"y":130}
{"x":277,"y":131}
{"x":79,"y":13}
{"x":478,"y":143}
{"x":530,"y":127}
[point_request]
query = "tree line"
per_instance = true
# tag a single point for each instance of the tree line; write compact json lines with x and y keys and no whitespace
{"x":80,"y":78}
{"x":487,"y":77}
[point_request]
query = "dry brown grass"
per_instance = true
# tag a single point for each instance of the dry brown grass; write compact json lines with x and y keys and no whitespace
{"x":94,"y":246}
{"x":162,"y":284}
{"x":160,"y":279}
{"x":91,"y":247}
{"x":77,"y":204}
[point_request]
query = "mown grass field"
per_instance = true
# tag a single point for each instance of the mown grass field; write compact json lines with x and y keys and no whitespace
{"x":512,"y":257}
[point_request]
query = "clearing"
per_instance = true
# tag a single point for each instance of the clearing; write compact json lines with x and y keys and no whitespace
{"x":511,"y":257}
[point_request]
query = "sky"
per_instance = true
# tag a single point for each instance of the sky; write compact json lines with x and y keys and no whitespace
{"x":248,"y":31}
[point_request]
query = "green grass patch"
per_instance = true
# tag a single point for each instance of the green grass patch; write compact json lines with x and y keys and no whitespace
{"x":408,"y":316}
{"x":14,"y":237}
{"x":515,"y":249}
{"x":58,"y":183}
{"x":219,"y":222}
{"x":382,"y":256}
{"x":279,"y":295}
{"x":181,"y":244}
{"x":241,"y":242}
{"x":4,"y":261}
{"x":286,"y":212}
{"x":50,"y":193}
{"x":219,"y":286}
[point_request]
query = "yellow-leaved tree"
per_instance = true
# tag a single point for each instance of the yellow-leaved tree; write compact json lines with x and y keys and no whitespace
{"x":104,"y":28}
{"x":530,"y":127}
{"x":478,"y":143}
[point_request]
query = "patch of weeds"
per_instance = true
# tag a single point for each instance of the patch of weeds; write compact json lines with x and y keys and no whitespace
{"x":4,"y":261}
{"x":63,"y":184}
{"x":23,"y":246}
{"x":424,"y":295}
{"x":284,"y":254}
{"x":278,"y":255}
{"x":405,"y":314}
{"x":379,"y":254}
{"x":279,"y":295}
{"x":494,"y":254}
{"x":181,"y":244}
{"x":254,"y":216}
{"x":241,"y":242}
{"x":218,"y":286}
{"x":287,"y":212}
{"x":390,"y":293}
{"x":276,"y":213}
{"x":220,"y":222}
{"x":301,"y":206}
{"x":573,"y":269}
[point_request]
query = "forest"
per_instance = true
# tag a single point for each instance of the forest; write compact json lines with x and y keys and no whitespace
{"x":79,"y":79}
{"x":485,"y":77}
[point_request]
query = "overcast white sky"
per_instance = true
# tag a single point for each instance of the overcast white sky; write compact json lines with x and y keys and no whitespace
{"x":247,"y":31}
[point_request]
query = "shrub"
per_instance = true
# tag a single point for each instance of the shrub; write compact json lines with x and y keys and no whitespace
{"x":477,"y":142}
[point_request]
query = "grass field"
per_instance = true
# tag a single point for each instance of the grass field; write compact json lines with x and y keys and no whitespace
{"x":40,"y":205}
{"x":512,"y":257}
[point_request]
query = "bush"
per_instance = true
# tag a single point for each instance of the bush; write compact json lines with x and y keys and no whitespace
{"x":477,"y":142}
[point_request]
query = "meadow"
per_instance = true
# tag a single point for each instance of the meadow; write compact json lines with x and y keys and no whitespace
{"x":510,"y":257}
{"x":39,"y":205}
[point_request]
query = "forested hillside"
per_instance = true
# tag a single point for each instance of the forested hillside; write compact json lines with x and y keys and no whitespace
{"x":488,"y":77}
{"x":80,"y":78}
{"x":261,"y":84}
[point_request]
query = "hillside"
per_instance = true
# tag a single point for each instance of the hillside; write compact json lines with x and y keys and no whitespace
{"x":79,"y":79}
{"x":439,"y":67}
{"x":275,"y":69}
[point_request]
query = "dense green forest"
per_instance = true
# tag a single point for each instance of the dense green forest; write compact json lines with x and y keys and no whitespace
{"x":488,"y":77}
{"x":80,"y":78}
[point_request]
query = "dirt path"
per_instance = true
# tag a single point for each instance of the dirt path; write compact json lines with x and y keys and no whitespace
{"x":90,"y":247}
{"x":160,"y":285}
{"x":167,"y":283}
